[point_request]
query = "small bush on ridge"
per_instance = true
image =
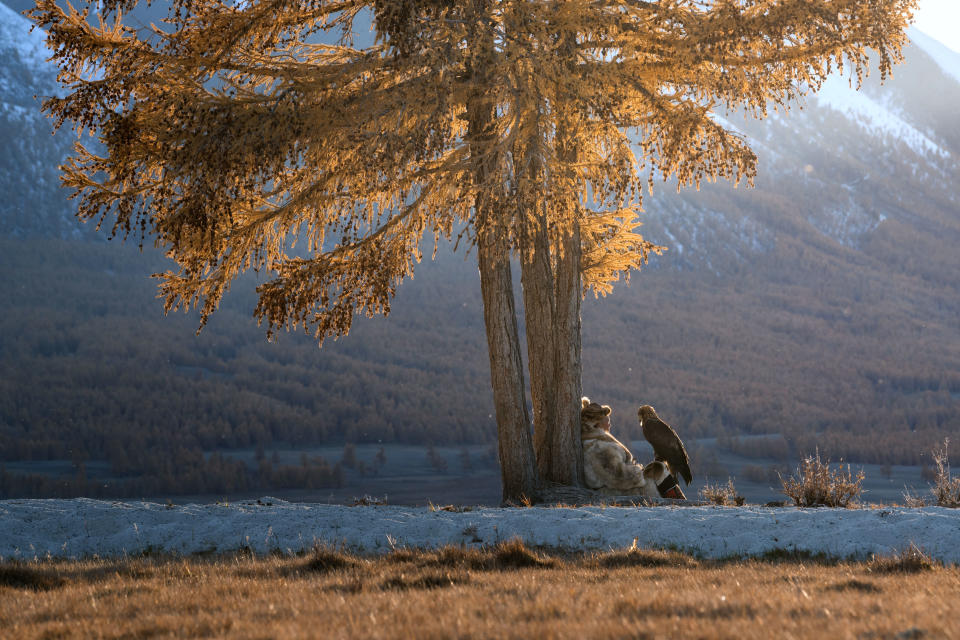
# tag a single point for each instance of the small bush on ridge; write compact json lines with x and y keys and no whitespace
{"x":946,"y":488}
{"x":912,"y":501}
{"x":817,"y":485}
{"x":722,"y":496}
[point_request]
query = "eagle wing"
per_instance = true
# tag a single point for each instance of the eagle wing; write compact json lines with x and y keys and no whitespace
{"x":665,"y":442}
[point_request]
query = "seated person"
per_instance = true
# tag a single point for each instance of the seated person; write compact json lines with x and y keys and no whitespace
{"x":608,"y":466}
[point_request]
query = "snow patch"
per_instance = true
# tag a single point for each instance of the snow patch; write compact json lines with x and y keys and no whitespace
{"x":846,"y":223}
{"x":83,"y":527}
{"x":877,"y":116}
{"x":688,"y":223}
{"x":15,"y":34}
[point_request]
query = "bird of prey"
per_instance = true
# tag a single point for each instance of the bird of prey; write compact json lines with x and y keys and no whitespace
{"x":666,"y":443}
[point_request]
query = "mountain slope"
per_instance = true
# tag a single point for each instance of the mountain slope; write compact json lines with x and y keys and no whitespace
{"x":32,"y":201}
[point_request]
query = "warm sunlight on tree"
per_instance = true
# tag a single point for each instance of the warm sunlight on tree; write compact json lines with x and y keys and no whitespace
{"x":259,"y":135}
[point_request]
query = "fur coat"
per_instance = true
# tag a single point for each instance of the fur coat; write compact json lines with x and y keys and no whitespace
{"x":609,"y":466}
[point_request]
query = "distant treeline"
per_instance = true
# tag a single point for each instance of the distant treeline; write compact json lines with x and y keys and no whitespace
{"x":187,"y":473}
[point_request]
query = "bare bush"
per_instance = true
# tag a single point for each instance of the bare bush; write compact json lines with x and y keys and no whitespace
{"x":634,"y":556}
{"x":912,"y":501}
{"x":326,"y":558}
{"x":722,"y":495}
{"x":910,"y":560}
{"x":817,"y":485}
{"x":946,"y":488}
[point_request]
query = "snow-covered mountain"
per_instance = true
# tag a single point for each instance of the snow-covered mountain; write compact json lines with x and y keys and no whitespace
{"x":838,"y":165}
{"x":831,"y":154}
{"x":29,"y":178}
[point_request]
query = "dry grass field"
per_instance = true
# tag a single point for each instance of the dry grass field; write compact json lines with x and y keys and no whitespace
{"x":508,"y":591}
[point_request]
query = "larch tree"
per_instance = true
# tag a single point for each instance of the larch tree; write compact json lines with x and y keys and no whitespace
{"x":608,"y":96}
{"x":529,"y":128}
{"x":235,"y":130}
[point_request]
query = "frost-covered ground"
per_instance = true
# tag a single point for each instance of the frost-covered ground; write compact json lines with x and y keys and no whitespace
{"x":82,"y":527}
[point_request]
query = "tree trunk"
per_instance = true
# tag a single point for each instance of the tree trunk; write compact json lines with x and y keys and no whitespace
{"x":538,"y":301}
{"x":551,"y":294}
{"x":567,"y":453}
{"x":517,"y":471}
{"x":492,"y":223}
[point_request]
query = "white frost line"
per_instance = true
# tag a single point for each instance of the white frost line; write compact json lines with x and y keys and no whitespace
{"x":83,"y":527}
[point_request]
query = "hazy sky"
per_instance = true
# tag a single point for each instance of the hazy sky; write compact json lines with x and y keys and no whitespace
{"x":940,"y":19}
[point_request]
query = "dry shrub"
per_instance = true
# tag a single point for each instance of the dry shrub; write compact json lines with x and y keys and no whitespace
{"x":852,"y":584}
{"x":910,"y":560}
{"x":912,"y":501}
{"x":946,"y":488}
{"x":634,"y":556}
{"x":325,"y":559}
{"x":513,"y":554}
{"x":441,"y":580}
{"x":817,"y":485}
{"x":783,"y":555}
{"x":445,"y":557}
{"x":510,"y":554}
{"x":451,"y":556}
{"x":453,"y":508}
{"x":722,"y":495}
{"x":23,"y":577}
{"x":399,"y":555}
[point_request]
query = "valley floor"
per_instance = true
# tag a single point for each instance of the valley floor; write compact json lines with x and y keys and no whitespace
{"x":505,"y":591}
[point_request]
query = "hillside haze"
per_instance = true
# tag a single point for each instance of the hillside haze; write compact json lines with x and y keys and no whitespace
{"x":821,"y":305}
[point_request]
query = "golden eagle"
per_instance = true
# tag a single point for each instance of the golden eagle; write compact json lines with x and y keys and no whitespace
{"x":666,"y":444}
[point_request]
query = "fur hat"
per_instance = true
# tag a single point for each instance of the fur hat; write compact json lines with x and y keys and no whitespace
{"x":591,"y":413}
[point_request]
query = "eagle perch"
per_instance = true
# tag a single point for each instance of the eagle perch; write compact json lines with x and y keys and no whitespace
{"x":666,"y":443}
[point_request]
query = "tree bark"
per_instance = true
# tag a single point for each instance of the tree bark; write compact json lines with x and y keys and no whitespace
{"x":538,"y":300}
{"x":567,"y":453}
{"x":492,"y":222}
{"x":551,"y":294}
{"x":518,"y":475}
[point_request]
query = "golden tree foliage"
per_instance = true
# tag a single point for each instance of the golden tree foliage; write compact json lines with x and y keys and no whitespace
{"x":234,"y":131}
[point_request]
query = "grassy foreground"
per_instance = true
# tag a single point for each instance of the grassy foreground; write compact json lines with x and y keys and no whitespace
{"x":508,"y":591}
